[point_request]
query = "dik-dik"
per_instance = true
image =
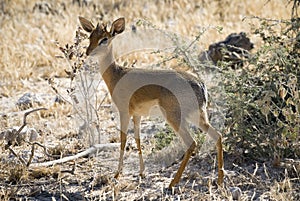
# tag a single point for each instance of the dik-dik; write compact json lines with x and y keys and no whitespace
{"x":181,"y":97}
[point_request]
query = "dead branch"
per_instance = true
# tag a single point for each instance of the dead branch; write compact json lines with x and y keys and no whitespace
{"x":91,"y":150}
{"x":44,"y":147}
{"x":16,"y":155}
{"x":31,"y":156}
{"x":14,"y":135}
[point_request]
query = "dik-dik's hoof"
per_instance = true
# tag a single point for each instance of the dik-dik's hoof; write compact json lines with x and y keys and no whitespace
{"x":172,"y":184}
{"x":142,"y":175}
{"x":117,"y":175}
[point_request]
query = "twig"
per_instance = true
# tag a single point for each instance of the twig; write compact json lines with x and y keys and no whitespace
{"x":16,"y":155}
{"x":45,"y":149}
{"x":31,"y":156}
{"x":248,"y":173}
{"x":14,"y":135}
{"x":89,"y":151}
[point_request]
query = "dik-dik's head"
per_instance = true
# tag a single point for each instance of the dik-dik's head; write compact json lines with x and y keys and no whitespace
{"x":99,"y":34}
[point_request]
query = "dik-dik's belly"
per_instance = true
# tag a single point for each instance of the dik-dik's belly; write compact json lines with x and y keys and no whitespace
{"x":145,"y":108}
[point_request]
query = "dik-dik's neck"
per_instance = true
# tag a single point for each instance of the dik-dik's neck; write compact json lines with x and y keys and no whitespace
{"x":104,"y":57}
{"x":110,"y":71}
{"x":112,"y":74}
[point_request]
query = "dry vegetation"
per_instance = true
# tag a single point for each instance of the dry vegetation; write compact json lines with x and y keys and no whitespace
{"x":29,"y":32}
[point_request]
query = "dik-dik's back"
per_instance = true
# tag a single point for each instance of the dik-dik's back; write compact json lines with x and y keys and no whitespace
{"x":145,"y":88}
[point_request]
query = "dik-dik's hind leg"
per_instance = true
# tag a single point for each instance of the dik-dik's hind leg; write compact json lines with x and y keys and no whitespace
{"x":124,"y":121}
{"x":217,"y":137}
{"x":183,"y":132}
{"x":175,"y":117}
{"x":137,"y":121}
{"x":183,"y":164}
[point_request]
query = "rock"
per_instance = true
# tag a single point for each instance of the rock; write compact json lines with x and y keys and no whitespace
{"x":27,"y":101}
{"x":32,"y":134}
{"x":234,"y":49}
{"x":236,"y":193}
{"x":28,"y":134}
{"x":10,"y":136}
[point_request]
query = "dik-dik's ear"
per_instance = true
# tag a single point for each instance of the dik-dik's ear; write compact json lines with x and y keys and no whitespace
{"x":117,"y":27}
{"x":86,"y":24}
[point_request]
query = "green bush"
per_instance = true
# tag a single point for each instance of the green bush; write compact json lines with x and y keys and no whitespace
{"x":263,"y":102}
{"x":164,"y":137}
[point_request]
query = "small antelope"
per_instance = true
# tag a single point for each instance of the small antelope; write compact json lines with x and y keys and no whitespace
{"x":136,"y":91}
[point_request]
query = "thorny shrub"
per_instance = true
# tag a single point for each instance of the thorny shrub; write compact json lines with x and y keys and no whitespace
{"x":263,"y":119}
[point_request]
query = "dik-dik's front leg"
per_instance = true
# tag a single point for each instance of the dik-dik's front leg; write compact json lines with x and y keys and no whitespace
{"x":124,"y":121}
{"x":137,"y":122}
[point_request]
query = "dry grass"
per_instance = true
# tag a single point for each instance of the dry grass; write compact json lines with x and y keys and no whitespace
{"x":27,"y":35}
{"x":28,"y":59}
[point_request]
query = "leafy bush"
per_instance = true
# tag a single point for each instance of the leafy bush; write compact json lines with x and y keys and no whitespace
{"x":263,"y":97}
{"x":164,"y":137}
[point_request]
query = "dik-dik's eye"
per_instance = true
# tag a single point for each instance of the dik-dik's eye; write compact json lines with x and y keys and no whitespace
{"x":103,"y":41}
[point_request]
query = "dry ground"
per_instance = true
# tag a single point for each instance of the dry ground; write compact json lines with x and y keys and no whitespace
{"x":28,"y":30}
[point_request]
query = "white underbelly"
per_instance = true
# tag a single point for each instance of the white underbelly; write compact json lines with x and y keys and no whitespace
{"x":149,"y":108}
